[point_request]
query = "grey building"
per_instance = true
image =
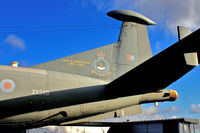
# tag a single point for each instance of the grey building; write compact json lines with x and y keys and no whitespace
{"x":173,"y":125}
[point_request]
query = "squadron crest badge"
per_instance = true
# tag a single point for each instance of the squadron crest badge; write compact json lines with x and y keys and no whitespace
{"x":101,"y":65}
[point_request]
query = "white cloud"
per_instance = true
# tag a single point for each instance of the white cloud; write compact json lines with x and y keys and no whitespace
{"x":100,"y":4}
{"x":153,"y":112}
{"x":172,"y":109}
{"x":168,"y":14}
{"x":173,"y":117}
{"x":195,"y":108}
{"x":158,"y":46}
{"x":148,"y":113}
{"x":171,"y":13}
{"x":15,"y":42}
{"x":185,"y":14}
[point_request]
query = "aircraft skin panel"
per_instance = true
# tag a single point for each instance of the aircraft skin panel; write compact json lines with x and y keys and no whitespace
{"x":22,"y":83}
{"x":35,"y":80}
{"x":23,"y":69}
{"x":61,"y":81}
{"x":84,"y":63}
{"x":132,"y":110}
{"x":144,"y":49}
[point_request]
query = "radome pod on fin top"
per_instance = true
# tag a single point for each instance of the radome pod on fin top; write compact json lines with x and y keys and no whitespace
{"x":127,"y":15}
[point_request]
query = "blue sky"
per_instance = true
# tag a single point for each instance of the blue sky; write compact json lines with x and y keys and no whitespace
{"x":36,"y":31}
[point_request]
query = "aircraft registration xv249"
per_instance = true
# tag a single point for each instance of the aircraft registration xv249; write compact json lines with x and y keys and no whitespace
{"x":97,"y":84}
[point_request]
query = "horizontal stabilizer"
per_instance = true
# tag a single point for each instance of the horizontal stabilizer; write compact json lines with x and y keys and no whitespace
{"x":183,"y":32}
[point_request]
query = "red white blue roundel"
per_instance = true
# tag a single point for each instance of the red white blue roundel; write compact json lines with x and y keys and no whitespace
{"x":7,"y":85}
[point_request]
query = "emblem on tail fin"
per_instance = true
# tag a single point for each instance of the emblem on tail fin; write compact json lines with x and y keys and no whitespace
{"x":101,"y":65}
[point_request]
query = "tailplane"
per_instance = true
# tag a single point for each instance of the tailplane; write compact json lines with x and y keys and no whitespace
{"x":111,"y":61}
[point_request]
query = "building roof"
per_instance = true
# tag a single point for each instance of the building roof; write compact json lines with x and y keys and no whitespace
{"x":113,"y":123}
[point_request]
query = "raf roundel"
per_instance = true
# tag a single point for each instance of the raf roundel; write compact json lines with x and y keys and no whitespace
{"x":7,"y":85}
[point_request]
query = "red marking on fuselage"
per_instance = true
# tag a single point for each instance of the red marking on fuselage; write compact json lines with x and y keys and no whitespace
{"x":7,"y":85}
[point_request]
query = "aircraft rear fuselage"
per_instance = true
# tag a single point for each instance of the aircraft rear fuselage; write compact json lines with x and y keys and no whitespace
{"x":74,"y":97}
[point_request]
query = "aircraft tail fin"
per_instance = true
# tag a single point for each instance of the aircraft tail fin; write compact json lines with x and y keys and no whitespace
{"x":111,"y":61}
